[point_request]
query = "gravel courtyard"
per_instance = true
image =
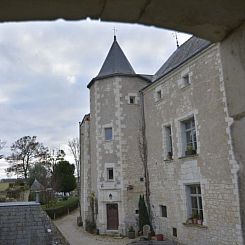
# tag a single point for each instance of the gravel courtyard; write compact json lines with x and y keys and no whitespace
{"x":77,"y":236}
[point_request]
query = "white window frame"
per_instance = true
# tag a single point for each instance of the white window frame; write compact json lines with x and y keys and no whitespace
{"x":186,"y":80}
{"x":108,"y":175}
{"x":105,"y":128}
{"x":167,"y":142}
{"x":159,"y":94}
{"x":198,"y":196}
{"x":133,"y":98}
{"x":161,"y":211}
{"x":183,"y":136}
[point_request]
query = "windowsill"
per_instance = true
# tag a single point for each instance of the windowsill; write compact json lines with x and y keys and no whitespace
{"x":189,"y":156}
{"x":158,"y":100}
{"x":168,"y":160}
{"x":107,"y":141}
{"x":184,"y":86}
{"x":195,"y":226}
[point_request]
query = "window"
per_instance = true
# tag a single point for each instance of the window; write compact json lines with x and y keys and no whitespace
{"x":141,"y":179}
{"x":163,"y":211}
{"x":189,"y":137}
{"x":131,"y":99}
{"x":194,"y":201}
{"x":186,"y":80}
{"x":168,"y":143}
{"x":110,"y":174}
{"x":159,"y":95}
{"x":136,"y":211}
{"x":108,"y":133}
{"x":175,"y":232}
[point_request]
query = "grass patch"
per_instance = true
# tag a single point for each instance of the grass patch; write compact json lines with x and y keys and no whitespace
{"x":4,"y":186}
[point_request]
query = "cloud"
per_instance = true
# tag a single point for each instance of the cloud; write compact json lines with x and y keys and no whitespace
{"x":46,"y":66}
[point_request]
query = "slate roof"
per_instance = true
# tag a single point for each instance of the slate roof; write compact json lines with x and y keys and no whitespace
{"x":36,"y":186}
{"x":187,"y":50}
{"x":25,"y":223}
{"x":115,"y":62}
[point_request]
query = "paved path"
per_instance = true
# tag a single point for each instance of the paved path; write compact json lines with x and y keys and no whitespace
{"x":77,"y":236}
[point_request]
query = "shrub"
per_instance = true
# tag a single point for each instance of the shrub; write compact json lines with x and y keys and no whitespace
{"x":62,"y":208}
{"x":90,"y":226}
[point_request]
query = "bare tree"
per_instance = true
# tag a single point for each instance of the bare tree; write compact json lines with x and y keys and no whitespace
{"x":74,"y":147}
{"x":53,"y":157}
{"x":2,"y":144}
{"x":26,"y":151}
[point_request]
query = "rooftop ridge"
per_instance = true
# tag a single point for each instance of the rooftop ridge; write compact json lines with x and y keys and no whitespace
{"x":187,"y":50}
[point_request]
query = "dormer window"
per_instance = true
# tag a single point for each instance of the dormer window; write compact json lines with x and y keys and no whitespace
{"x":159,"y":95}
{"x":186,"y":80}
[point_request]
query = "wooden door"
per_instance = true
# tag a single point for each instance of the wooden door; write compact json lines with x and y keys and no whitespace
{"x":112,"y":216}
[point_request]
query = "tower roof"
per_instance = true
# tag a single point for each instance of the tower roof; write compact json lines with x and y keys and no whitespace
{"x":116,"y":62}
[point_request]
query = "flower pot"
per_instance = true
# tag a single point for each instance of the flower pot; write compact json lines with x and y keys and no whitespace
{"x":194,"y":221}
{"x":79,"y":221}
{"x":131,"y":234}
{"x":199,"y":222}
{"x":160,"y":237}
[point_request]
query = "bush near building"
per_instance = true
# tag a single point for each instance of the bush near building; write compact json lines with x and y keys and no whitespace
{"x":61,"y":208}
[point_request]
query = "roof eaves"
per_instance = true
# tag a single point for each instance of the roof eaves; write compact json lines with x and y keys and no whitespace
{"x":118,"y":74}
{"x":180,"y":64}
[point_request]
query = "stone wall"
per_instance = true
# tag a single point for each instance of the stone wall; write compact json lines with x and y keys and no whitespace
{"x":85,"y":169}
{"x":110,"y":107}
{"x":233,"y":64}
{"x":213,"y":167}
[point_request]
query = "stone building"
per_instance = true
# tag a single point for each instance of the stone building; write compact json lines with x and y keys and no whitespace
{"x":190,"y":159}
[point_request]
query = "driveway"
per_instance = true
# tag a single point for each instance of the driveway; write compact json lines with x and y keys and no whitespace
{"x":77,"y":236}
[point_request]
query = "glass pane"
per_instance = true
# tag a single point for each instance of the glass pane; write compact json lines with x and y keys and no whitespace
{"x":108,"y":133}
{"x":200,"y":202}
{"x":194,"y":202}
{"x":188,"y":124}
{"x":193,"y":189}
{"x":199,"y":189}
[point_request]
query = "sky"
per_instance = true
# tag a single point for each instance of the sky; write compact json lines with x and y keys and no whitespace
{"x":45,"y":68}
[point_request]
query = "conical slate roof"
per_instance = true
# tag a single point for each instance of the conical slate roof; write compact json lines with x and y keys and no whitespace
{"x":116,"y":62}
{"x":36,"y":186}
{"x":187,"y":50}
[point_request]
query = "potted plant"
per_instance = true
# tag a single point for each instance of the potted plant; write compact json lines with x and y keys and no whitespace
{"x":170,"y":156}
{"x":190,"y":150}
{"x":194,"y":217}
{"x":131,"y":232}
{"x":199,"y":219}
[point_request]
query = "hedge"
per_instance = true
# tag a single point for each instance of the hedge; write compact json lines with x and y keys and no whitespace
{"x":62,"y":208}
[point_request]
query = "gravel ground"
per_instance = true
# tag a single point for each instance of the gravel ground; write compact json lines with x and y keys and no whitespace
{"x":77,"y":236}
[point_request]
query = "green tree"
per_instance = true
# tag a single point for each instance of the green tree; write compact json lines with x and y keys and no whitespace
{"x":63,"y":179}
{"x":26,"y":151}
{"x":143,"y":214}
{"x":39,"y":172}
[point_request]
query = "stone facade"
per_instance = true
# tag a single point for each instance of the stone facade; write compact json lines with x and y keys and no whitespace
{"x":185,"y":110}
{"x":213,"y":167}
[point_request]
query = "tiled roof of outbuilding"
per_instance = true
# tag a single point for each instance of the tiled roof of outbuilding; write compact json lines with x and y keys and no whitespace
{"x":36,"y":186}
{"x":190,"y":48}
{"x":25,"y":223}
